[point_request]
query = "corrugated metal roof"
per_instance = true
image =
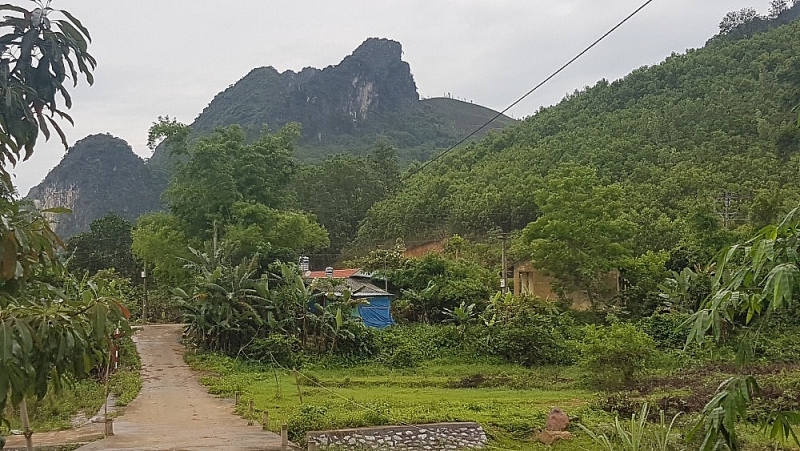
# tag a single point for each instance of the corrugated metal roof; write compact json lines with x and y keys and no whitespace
{"x":337,"y":274}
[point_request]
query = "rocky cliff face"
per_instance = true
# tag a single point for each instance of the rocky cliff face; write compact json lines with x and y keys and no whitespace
{"x":98,"y":175}
{"x":370,"y":95}
{"x":338,"y":100}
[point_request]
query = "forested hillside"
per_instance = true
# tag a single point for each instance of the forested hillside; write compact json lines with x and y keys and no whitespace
{"x":100,"y":174}
{"x":686,"y":154}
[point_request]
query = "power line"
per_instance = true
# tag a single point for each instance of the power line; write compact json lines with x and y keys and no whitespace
{"x":535,"y":88}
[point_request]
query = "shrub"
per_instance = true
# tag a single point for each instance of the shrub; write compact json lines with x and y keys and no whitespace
{"x":283,"y":349}
{"x":614,"y":354}
{"x":531,"y":338}
{"x":406,"y":355}
{"x":359,"y":344}
{"x":665,"y":329}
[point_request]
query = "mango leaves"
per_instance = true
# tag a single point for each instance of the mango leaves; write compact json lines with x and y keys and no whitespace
{"x":38,"y":55}
{"x":751,"y":281}
{"x":51,"y":325}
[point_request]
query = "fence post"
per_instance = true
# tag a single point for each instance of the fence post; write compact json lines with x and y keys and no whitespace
{"x":284,"y":436}
{"x":265,"y":421}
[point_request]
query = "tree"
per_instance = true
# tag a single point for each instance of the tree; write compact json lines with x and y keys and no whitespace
{"x":224,"y":169}
{"x":258,"y":229}
{"x":159,"y":241}
{"x":735,"y":19}
{"x":777,"y":7}
{"x":52,"y":327}
{"x":106,"y":245}
{"x":340,"y":191}
{"x":38,"y":55}
{"x":753,"y":281}
{"x":583,"y":230}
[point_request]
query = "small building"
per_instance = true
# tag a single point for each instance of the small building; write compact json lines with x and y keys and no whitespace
{"x":529,"y":280}
{"x":375,"y":308}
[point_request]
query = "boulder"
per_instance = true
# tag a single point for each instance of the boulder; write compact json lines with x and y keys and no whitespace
{"x":557,"y":420}
{"x":550,"y":437}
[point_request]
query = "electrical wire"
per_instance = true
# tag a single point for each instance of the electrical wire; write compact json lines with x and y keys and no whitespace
{"x":535,"y":88}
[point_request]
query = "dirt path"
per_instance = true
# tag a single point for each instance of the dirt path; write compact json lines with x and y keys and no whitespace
{"x":173,"y":411}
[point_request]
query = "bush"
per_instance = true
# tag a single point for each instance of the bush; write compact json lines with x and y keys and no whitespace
{"x":285,"y":350}
{"x":407,"y":355}
{"x":614,"y":354}
{"x":666,"y":329}
{"x":531,"y":338}
{"x":362,"y":345}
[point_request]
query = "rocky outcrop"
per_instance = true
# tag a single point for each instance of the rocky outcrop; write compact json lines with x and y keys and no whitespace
{"x":100,"y":174}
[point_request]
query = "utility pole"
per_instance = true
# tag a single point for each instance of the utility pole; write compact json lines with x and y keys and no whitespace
{"x":728,"y":211}
{"x":504,"y":283}
{"x":144,"y":298}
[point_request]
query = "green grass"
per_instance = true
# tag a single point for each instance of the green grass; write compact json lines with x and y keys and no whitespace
{"x":55,"y":411}
{"x":511,"y":402}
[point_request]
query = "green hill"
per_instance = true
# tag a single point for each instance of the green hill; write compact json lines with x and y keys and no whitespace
{"x":100,"y":174}
{"x":679,"y":139}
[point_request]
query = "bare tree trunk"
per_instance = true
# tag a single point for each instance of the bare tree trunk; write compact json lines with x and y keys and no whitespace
{"x":26,"y":425}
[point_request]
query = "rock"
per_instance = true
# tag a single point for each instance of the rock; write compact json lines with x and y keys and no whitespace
{"x":550,"y":437}
{"x":557,"y":420}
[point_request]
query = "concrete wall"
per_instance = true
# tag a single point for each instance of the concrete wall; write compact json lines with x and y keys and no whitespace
{"x":426,"y":437}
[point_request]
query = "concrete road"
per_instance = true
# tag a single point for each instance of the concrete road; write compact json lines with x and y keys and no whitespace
{"x":173,"y":411}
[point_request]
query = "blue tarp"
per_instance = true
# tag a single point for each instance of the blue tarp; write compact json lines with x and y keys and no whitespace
{"x":377,"y":314}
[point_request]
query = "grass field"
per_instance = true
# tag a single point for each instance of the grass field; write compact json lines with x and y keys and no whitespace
{"x":510,"y":402}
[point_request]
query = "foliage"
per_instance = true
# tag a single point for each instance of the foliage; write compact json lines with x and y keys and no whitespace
{"x":434,"y":283}
{"x":666,"y":329}
{"x":614,"y":354}
{"x":106,"y":245}
{"x":227,"y":308}
{"x":666,"y":145}
{"x":54,"y":333}
{"x":223,"y":168}
{"x":341,"y":189}
{"x":39,"y":54}
{"x":256,"y":228}
{"x":638,"y":435}
{"x":752,"y":281}
{"x":582,"y":232}
{"x":529,"y":333}
{"x":160,"y":242}
{"x":276,"y":348}
{"x":239,"y":309}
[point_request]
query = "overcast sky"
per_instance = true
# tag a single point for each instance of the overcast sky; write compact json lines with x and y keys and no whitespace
{"x":170,"y":57}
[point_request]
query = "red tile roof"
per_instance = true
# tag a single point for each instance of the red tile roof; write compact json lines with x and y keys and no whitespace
{"x":337,"y":274}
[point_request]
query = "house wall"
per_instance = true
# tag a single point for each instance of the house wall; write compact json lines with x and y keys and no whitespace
{"x":532,"y":281}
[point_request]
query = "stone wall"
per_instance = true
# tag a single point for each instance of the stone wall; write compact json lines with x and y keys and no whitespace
{"x":426,"y":437}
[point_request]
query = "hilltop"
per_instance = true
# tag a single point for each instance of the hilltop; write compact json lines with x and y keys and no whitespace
{"x":370,"y":95}
{"x":678,"y":139}
{"x":100,"y":174}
